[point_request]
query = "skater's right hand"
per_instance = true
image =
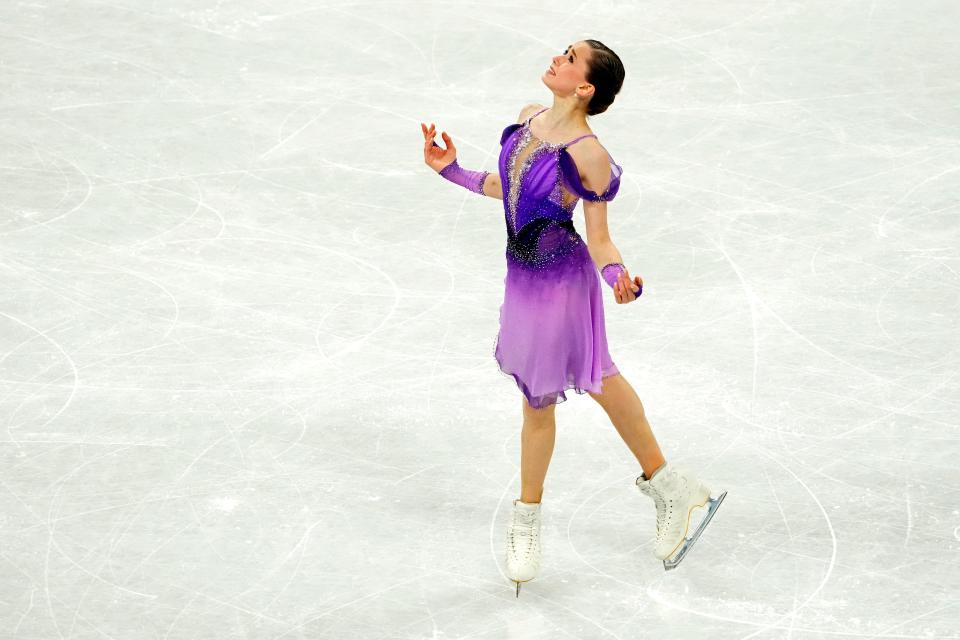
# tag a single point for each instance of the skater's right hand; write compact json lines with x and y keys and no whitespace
{"x":434,"y":155}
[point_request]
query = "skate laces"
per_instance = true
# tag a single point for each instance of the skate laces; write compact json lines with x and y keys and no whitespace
{"x":524,"y":524}
{"x":661,"y":515}
{"x":524,"y":520}
{"x":654,"y":494}
{"x":663,"y":511}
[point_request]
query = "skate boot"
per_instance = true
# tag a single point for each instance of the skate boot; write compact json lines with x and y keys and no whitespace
{"x":677,"y":493}
{"x":523,"y":542}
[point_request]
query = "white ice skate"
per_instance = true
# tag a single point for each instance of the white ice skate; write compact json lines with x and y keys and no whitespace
{"x":523,"y":542}
{"x":677,"y":493}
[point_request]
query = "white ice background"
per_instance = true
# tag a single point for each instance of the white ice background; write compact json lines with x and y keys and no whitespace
{"x":247,"y":387}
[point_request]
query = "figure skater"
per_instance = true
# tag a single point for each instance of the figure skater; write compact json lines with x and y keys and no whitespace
{"x":552,"y":337}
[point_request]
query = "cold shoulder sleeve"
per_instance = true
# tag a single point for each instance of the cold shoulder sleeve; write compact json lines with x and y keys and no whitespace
{"x":571,"y":178}
{"x":507,"y":131}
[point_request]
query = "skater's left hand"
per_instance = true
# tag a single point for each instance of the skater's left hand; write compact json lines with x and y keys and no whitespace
{"x":626,"y":290}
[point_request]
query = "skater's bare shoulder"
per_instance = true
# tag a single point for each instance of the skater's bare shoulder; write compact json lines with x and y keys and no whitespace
{"x":528,"y":110}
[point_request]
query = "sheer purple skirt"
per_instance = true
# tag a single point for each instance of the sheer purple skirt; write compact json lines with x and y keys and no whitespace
{"x":552,"y":336}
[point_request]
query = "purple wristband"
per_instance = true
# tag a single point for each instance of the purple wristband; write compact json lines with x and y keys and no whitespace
{"x":469,"y":180}
{"x":611,"y":273}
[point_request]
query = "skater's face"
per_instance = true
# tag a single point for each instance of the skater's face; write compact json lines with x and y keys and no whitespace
{"x":568,"y":71}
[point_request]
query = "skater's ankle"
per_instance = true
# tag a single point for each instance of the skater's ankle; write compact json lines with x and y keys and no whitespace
{"x":654,"y":472}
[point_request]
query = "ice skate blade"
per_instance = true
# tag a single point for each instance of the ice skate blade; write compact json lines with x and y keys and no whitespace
{"x":518,"y":585}
{"x":687,"y":544}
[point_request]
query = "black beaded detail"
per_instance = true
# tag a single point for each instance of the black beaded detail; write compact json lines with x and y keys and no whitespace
{"x":526,"y":247}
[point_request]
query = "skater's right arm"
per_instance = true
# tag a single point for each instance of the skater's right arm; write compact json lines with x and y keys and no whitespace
{"x":444,"y":162}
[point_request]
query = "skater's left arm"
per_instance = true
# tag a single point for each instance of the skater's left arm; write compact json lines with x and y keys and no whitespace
{"x":595,"y":175}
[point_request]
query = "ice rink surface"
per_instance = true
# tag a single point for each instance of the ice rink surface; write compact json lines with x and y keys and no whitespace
{"x":247,"y":385}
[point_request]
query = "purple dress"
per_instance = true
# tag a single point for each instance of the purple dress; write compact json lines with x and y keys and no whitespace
{"x":552,"y":336}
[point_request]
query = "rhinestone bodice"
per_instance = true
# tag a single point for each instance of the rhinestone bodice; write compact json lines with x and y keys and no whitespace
{"x":539,"y":215}
{"x":540,"y":149}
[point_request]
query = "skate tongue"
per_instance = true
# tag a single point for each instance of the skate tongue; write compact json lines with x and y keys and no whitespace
{"x":657,"y":472}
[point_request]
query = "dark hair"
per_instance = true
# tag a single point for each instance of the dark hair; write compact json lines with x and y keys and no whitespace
{"x":605,"y":72}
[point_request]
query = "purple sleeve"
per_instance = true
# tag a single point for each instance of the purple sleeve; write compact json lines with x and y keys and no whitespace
{"x":507,"y":131}
{"x":466,"y":178}
{"x":571,"y":178}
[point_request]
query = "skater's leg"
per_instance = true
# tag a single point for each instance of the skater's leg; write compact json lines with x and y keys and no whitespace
{"x":536,"y":448}
{"x":623,"y":407}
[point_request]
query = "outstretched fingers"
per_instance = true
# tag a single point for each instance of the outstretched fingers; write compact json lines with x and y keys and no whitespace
{"x":428,"y":134}
{"x":447,"y":140}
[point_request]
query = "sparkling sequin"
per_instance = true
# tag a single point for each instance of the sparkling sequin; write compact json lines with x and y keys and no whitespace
{"x":513,"y":193}
{"x":479,"y":186}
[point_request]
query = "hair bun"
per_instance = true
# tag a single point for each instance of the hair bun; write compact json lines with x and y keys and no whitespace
{"x":605,"y":72}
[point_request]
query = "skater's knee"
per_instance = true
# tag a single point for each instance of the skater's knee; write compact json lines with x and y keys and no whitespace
{"x":618,"y":398}
{"x":542,"y":417}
